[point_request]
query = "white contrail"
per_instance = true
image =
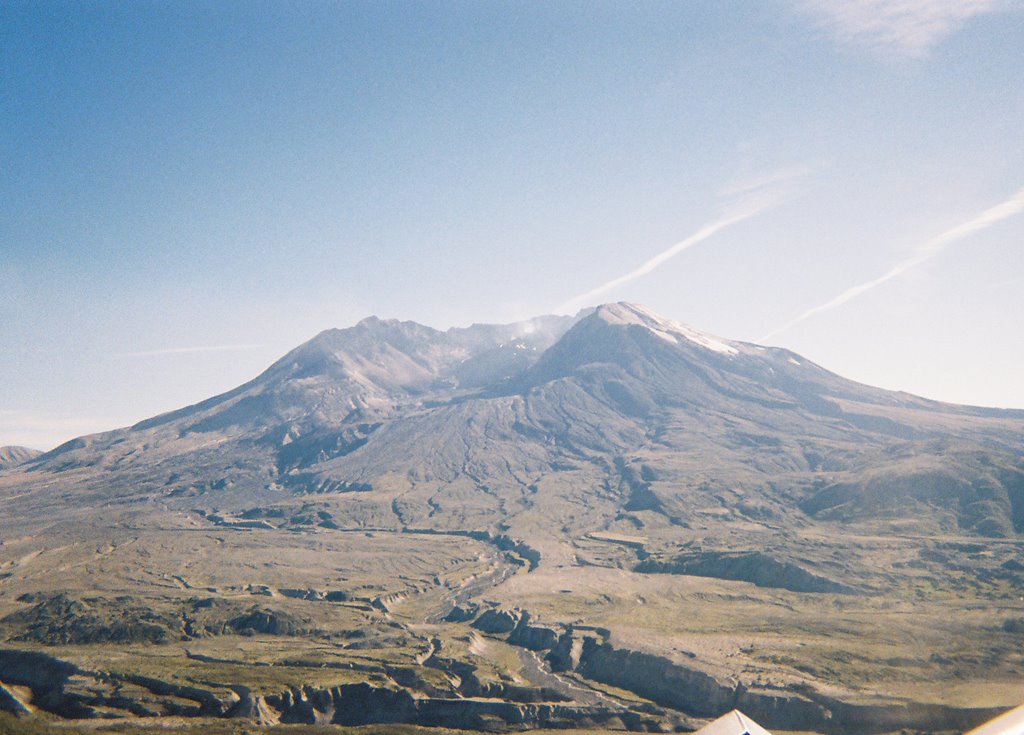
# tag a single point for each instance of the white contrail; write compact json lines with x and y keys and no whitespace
{"x":187,"y":350}
{"x":753,"y":207}
{"x":1013,"y":205}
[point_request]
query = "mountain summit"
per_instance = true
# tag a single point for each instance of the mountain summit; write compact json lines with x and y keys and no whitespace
{"x":667,"y":329}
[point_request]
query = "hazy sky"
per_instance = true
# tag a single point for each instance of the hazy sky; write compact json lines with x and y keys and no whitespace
{"x":188,"y":190}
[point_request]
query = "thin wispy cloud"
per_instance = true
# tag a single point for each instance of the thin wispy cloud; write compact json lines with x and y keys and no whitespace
{"x":902,"y":27}
{"x":751,"y":196}
{"x":755,"y":207}
{"x":187,"y":350}
{"x":1004,"y":210}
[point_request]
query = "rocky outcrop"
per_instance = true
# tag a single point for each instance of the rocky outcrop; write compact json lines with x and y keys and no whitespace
{"x":521,"y":553}
{"x":497,"y":621}
{"x":517,"y":623}
{"x":361,"y":704}
{"x":565,"y":655}
{"x":312,"y":485}
{"x":267,"y":621}
{"x":533,"y":637}
{"x":253,"y":707}
{"x":849,"y":719}
{"x":60,"y":619}
{"x":64,"y":689}
{"x":180,"y":699}
{"x":747,"y":566}
{"x":303,"y":594}
{"x":462,"y":613}
{"x":674,"y":685}
{"x":655,"y":678}
{"x":521,"y":548}
{"x":686,"y":688}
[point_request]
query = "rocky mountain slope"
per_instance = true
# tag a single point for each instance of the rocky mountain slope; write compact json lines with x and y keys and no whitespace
{"x":605,"y":470}
{"x":465,"y":428}
{"x":11,"y":456}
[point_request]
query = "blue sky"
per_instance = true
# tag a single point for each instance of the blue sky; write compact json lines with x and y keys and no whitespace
{"x":191,"y":189}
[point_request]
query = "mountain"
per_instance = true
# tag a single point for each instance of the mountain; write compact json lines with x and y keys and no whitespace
{"x":11,"y":456}
{"x":426,"y":419}
{"x":631,"y":465}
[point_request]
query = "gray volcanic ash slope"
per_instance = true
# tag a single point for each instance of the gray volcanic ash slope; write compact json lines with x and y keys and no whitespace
{"x":11,"y":456}
{"x":497,"y":427}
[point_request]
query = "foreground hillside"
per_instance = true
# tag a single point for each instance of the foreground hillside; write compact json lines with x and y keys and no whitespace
{"x":610,"y":521}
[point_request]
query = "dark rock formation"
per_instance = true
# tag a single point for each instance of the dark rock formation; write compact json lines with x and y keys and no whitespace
{"x":497,"y":621}
{"x":533,"y":637}
{"x":60,"y":619}
{"x":747,"y":566}
{"x":267,"y":621}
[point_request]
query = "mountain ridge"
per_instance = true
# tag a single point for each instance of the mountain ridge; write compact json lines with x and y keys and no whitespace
{"x":374,"y":404}
{"x":12,"y":455}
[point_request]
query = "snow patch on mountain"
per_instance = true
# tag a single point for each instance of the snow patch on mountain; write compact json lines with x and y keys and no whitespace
{"x":663,"y":327}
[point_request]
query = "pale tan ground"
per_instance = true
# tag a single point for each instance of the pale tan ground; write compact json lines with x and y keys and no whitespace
{"x":925,"y":643}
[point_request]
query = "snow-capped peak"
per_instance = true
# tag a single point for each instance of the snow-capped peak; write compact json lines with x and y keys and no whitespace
{"x":663,"y":327}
